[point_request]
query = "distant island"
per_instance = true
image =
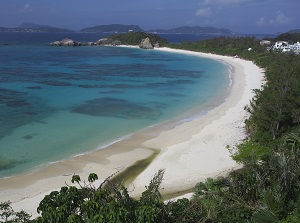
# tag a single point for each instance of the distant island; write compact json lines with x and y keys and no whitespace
{"x":31,"y":27}
{"x":121,"y":28}
{"x":194,"y":30}
{"x":113,"y":28}
{"x":117,"y":28}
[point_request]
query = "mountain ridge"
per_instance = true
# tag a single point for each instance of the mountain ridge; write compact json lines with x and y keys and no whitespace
{"x":193,"y":30}
{"x":32,"y":27}
{"x":111,"y":28}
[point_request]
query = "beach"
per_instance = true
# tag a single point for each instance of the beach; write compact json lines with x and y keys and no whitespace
{"x":189,"y":152}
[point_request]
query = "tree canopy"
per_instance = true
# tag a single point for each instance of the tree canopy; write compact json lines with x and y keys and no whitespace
{"x":135,"y":38}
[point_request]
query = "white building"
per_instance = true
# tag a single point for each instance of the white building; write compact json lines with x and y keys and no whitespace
{"x":295,"y":46}
{"x":285,"y":47}
{"x":265,"y":42}
{"x":280,"y":45}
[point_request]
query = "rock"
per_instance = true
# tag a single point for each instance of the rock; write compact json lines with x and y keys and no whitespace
{"x":101,"y":42}
{"x":146,"y":44}
{"x":56,"y":43}
{"x":156,"y":45}
{"x":66,"y":42}
{"x":90,"y":43}
{"x":70,"y":42}
{"x":116,"y":43}
{"x":106,"y":41}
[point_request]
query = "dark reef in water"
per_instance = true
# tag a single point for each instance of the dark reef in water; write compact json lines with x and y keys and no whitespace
{"x":55,"y":83}
{"x":118,"y":108}
{"x":34,"y":87}
{"x":30,"y":136}
{"x":12,"y":98}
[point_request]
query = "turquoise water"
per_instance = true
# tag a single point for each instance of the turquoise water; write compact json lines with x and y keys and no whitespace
{"x":59,"y":102}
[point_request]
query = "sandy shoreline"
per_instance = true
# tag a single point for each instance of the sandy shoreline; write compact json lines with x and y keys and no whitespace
{"x":190,"y":152}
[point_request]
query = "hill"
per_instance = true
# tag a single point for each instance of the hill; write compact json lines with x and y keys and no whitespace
{"x":113,"y":28}
{"x":135,"y":38}
{"x":31,"y":27}
{"x":193,"y":30}
{"x":294,"y":31}
{"x":291,"y":37}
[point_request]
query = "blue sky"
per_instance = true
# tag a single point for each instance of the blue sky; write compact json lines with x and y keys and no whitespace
{"x":241,"y":16}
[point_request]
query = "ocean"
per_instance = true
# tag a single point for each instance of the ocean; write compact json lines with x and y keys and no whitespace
{"x":58,"y":102}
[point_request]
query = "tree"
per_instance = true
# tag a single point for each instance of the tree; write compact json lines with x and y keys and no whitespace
{"x":107,"y":203}
{"x":8,"y":215}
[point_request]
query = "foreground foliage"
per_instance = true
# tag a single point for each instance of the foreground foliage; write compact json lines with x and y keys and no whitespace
{"x":267,"y":190}
{"x":107,"y":203}
{"x":7,"y":214}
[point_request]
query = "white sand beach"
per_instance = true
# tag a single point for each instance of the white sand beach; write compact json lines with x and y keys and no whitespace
{"x":189,"y":153}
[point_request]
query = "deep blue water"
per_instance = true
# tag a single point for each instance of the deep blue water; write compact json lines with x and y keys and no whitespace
{"x":56,"y":102}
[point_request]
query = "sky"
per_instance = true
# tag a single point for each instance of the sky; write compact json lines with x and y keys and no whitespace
{"x":240,"y":16}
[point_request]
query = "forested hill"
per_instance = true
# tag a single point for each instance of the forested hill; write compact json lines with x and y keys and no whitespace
{"x":118,"y":28}
{"x":31,"y":27}
{"x":289,"y":37}
{"x":135,"y":38}
{"x":194,"y":30}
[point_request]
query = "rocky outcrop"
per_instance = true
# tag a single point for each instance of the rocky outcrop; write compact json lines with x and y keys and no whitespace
{"x":146,"y":44}
{"x":100,"y":42}
{"x":66,"y":42}
{"x":107,"y":42}
{"x":144,"y":41}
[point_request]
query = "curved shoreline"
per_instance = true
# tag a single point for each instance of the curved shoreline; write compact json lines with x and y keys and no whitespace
{"x":186,"y":152}
{"x":205,"y":153}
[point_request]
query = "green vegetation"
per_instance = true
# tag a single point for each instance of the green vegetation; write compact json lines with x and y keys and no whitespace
{"x":266,"y":189}
{"x":107,"y":203}
{"x":289,"y":37}
{"x":135,"y":38}
{"x":7,"y":214}
{"x":225,"y":46}
{"x":112,"y":28}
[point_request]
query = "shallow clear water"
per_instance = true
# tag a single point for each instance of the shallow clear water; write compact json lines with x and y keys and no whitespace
{"x":56,"y":102}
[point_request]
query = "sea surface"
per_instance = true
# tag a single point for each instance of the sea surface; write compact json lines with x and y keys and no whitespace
{"x":58,"y":102}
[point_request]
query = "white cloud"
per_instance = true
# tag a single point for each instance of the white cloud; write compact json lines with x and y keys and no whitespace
{"x":205,"y":12}
{"x":209,"y":7}
{"x":280,"y":19}
{"x":26,"y":8}
{"x":223,"y":2}
{"x":261,"y":21}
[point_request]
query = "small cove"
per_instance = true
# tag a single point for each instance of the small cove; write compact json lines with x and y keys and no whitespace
{"x":60,"y":102}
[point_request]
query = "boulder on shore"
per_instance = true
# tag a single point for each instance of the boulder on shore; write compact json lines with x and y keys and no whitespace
{"x":107,"y":42}
{"x":66,"y":42}
{"x":146,"y":44}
